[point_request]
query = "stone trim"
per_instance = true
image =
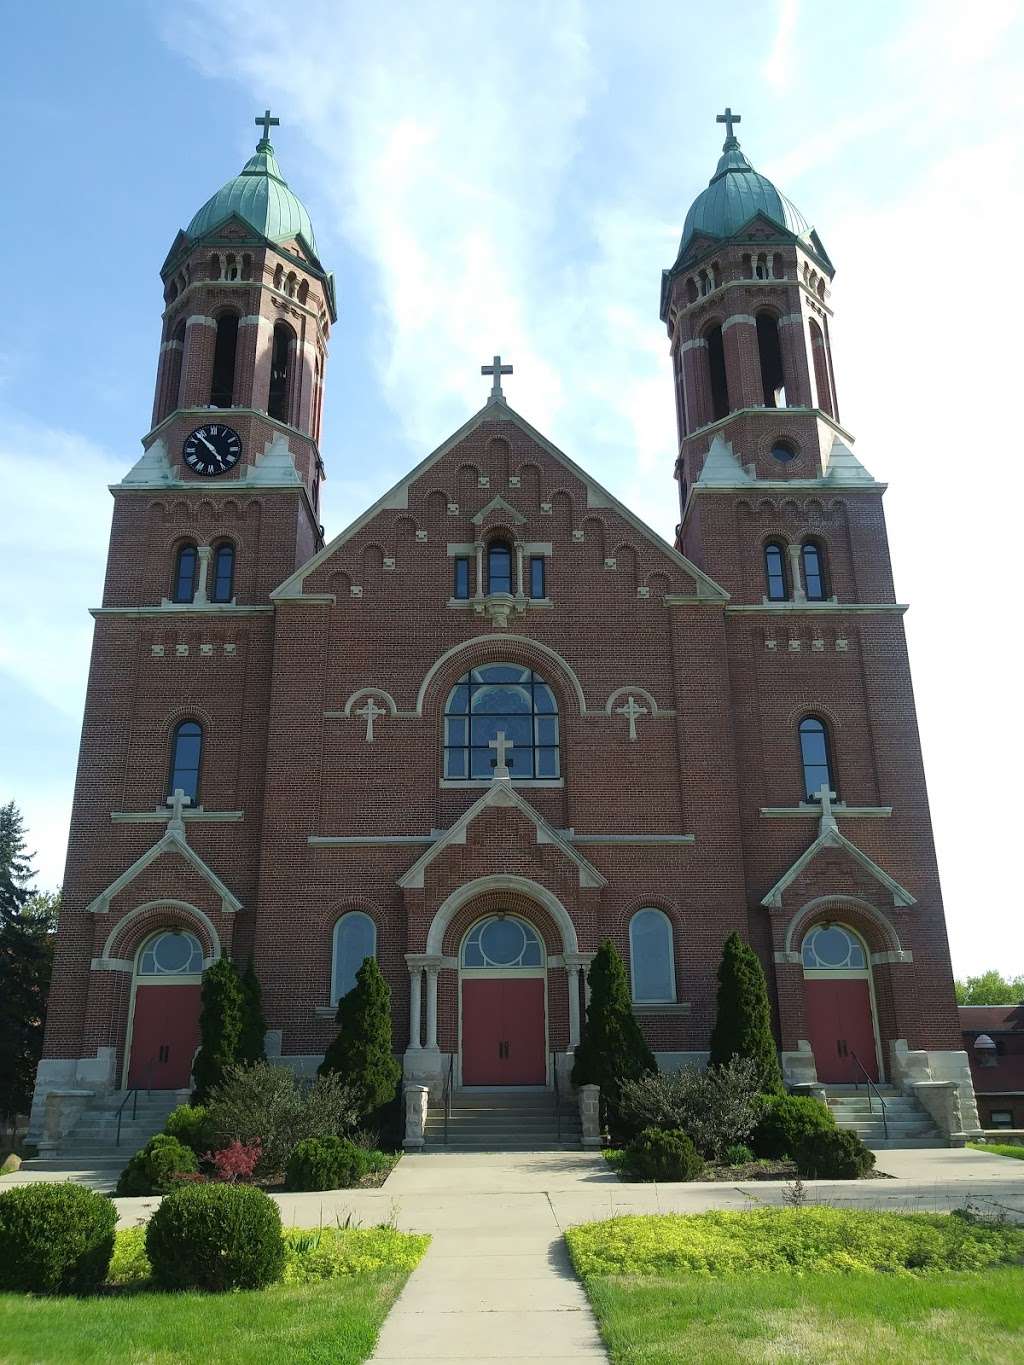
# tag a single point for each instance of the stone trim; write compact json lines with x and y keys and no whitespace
{"x":183,"y":907}
{"x":367,"y":840}
{"x":171,"y":842}
{"x":891,"y":958}
{"x":111,"y":964}
{"x":183,"y":609}
{"x":143,"y":817}
{"x":833,"y":607}
{"x":878,"y":918}
{"x":631,"y":838}
{"x":832,"y":838}
{"x":838,"y":808}
{"x":662,"y":1007}
{"x":469,"y":891}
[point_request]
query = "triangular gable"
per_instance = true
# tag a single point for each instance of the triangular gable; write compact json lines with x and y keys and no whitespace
{"x":497,"y":410}
{"x":172,"y":842}
{"x":501,"y":793}
{"x":498,"y":504}
{"x":721,"y":465}
{"x":830,"y":837}
{"x":843,"y":466}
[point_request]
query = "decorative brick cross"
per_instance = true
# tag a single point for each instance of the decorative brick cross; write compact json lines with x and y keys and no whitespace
{"x":631,"y":710}
{"x":497,"y":369}
{"x":501,"y":745}
{"x":728,"y":118}
{"x":266,"y":123}
{"x":371,"y":711}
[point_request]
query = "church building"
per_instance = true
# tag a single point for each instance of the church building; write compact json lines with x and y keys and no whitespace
{"x":498,"y":719}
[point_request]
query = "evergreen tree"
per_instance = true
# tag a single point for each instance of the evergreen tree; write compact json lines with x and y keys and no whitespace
{"x":15,"y":865}
{"x":613,"y":1049}
{"x":743,"y":1023}
{"x":221,"y":1020}
{"x":254,"y":1026}
{"x":361,"y":1053}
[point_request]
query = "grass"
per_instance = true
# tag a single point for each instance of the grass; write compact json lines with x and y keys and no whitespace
{"x":1000,"y":1149}
{"x":854,"y":1287}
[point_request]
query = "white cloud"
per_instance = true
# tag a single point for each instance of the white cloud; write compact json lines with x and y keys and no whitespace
{"x":777,"y":68}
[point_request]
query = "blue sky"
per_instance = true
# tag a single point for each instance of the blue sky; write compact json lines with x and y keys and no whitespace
{"x":514,"y":178}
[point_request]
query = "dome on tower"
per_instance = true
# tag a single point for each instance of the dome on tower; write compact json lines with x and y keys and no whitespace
{"x":259,"y":195}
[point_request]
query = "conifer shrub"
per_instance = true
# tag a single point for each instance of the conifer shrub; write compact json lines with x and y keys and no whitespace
{"x":361,"y":1055}
{"x":743,"y":1019}
{"x":190,"y":1124}
{"x":251,"y":1040}
{"x":662,"y":1154}
{"x":327,"y":1163}
{"x":833,"y":1154}
{"x":157,"y":1168}
{"x":785,"y":1121}
{"x":221,"y":1018}
{"x":612,"y":1049}
{"x":216,"y":1237}
{"x":55,"y":1238}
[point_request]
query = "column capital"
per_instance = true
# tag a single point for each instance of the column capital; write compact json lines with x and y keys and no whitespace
{"x":577,"y":959}
{"x":433,"y":962}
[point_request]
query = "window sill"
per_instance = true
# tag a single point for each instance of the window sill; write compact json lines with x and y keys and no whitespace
{"x":163,"y":813}
{"x":488,"y":781}
{"x":325,"y":1011}
{"x":665,"y":1007}
{"x":838,"y":808}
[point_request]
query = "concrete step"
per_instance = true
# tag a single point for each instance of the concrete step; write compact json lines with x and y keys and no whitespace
{"x":466,"y":1145}
{"x":899,"y":1144}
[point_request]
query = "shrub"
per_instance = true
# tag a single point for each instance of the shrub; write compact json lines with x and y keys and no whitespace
{"x":235,"y":1163}
{"x":663,"y":1154}
{"x":738,"y":1154}
{"x":55,"y":1238}
{"x":158,"y":1167}
{"x":613,"y":1049}
{"x":189,"y":1123}
{"x":254,"y":1026}
{"x":215,"y":1237}
{"x":221,"y":1018}
{"x":361,"y":1054}
{"x":716,"y":1107}
{"x":327,"y":1163}
{"x":833,"y":1154}
{"x":785,"y":1121}
{"x":266,"y":1104}
{"x":743,"y":1019}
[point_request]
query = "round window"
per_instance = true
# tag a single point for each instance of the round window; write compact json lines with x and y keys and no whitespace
{"x":502,"y":942}
{"x":175,"y":952}
{"x":830,"y":947}
{"x":783,"y":452}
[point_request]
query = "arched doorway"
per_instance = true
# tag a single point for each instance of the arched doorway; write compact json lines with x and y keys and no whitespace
{"x":839,"y":1004}
{"x":163,"y":1025}
{"x":503,"y":1014}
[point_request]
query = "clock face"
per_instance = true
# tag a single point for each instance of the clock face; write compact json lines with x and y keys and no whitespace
{"x":212,"y":449}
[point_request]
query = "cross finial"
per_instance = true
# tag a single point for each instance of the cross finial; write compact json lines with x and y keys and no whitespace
{"x":728,"y":118}
{"x":826,"y":797}
{"x":177,"y":802}
{"x":501,"y":745}
{"x":497,"y":369}
{"x":631,"y":710}
{"x":266,"y":123}
{"x":371,"y":711}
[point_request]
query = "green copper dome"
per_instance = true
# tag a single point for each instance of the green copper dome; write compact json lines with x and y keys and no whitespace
{"x":260,"y":196}
{"x":734,"y":195}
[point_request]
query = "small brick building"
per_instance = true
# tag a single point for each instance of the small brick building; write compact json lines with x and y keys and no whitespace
{"x":498,"y":719}
{"x":994,"y":1041}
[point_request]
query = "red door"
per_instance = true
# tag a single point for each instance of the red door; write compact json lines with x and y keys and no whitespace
{"x":839,"y":1022}
{"x":165,"y":1035}
{"x":503,"y":1031}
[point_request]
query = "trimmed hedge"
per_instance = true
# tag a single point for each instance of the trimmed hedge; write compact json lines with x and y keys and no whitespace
{"x":215,"y":1237}
{"x":190,"y":1124}
{"x":327,"y":1163}
{"x":55,"y":1238}
{"x":663,"y":1154}
{"x":835,"y":1155}
{"x":786,"y":1121}
{"x":156,"y":1168}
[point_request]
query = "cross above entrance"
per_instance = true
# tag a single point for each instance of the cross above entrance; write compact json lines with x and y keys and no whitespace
{"x":501,"y":745}
{"x":826,"y":797}
{"x":371,"y":711}
{"x":266,"y":123}
{"x":177,"y":802}
{"x":728,"y":118}
{"x":631,"y":710}
{"x":497,"y":369}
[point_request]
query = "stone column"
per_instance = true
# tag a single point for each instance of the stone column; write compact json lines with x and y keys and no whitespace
{"x":519,"y":568}
{"x":479,"y":569}
{"x":573,"y":973}
{"x":416,"y":1101}
{"x":415,"y":1006}
{"x":432,"y":973}
{"x":202,"y":596}
{"x":796,"y":576}
{"x":590,"y":1116}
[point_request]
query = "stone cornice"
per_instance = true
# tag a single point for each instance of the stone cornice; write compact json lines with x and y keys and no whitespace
{"x":183,"y":609}
{"x":190,"y":813}
{"x":838,"y":808}
{"x":816,"y":608}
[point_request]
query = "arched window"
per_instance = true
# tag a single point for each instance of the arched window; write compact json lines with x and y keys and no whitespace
{"x":184,"y":587}
{"x":280,"y":371}
{"x":502,"y":943}
{"x":776,"y":586}
{"x":819,"y":355}
{"x":172,"y":952}
{"x":246,"y":266}
{"x":231,"y":267}
{"x":355,"y":939}
{"x":278,"y":276}
{"x":507,"y":698}
{"x":303,"y":294}
{"x":651,"y":957}
{"x":214,"y":268}
{"x":716,"y":370}
{"x":186,"y":759}
{"x":222,"y":387}
{"x":815,"y":756}
{"x":769,"y":348}
{"x":223,"y":573}
{"x":290,"y":283}
{"x":499,"y":566}
{"x":833,"y":948}
{"x":812,"y":560}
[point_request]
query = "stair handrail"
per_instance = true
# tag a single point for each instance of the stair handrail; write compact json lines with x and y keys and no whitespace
{"x":558,"y":1095}
{"x":872,"y":1088}
{"x":133,"y":1095}
{"x":446,"y":1097}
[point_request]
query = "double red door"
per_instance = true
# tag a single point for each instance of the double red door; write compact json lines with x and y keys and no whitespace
{"x":165,"y":1035}
{"x":840,"y":1028}
{"x":503,"y":1031}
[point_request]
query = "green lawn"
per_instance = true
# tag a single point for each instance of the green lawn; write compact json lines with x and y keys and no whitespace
{"x":1000,"y":1148}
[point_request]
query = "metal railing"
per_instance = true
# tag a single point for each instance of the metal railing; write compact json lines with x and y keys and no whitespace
{"x":558,"y":1095}
{"x":872,"y":1089}
{"x":446,"y":1098}
{"x":133,"y":1095}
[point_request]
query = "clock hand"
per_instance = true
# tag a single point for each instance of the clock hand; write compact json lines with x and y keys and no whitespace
{"x":212,"y":449}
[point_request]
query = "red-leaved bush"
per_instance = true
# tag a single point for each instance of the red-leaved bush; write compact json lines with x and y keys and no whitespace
{"x":236,"y":1162}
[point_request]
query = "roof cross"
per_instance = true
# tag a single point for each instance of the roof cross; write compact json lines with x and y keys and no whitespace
{"x":826,"y":797}
{"x":501,"y":746}
{"x":177,"y":802}
{"x":266,"y":123}
{"x":497,"y":369}
{"x":728,"y":118}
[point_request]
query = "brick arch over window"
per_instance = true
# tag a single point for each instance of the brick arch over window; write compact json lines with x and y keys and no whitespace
{"x":445,"y":671}
{"x":484,"y":896}
{"x":130,"y":932}
{"x":872,"y":924}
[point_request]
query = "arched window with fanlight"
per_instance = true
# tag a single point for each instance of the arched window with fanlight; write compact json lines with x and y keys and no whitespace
{"x":776,"y":582}
{"x":186,"y":561}
{"x":499,"y":566}
{"x":171,"y":952}
{"x":223,"y":586}
{"x":833,"y":948}
{"x":812,"y":560}
{"x":651,"y":957}
{"x":815,"y":756}
{"x":186,"y":759}
{"x":503,"y":699}
{"x":502,"y":943}
{"x":355,"y":939}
